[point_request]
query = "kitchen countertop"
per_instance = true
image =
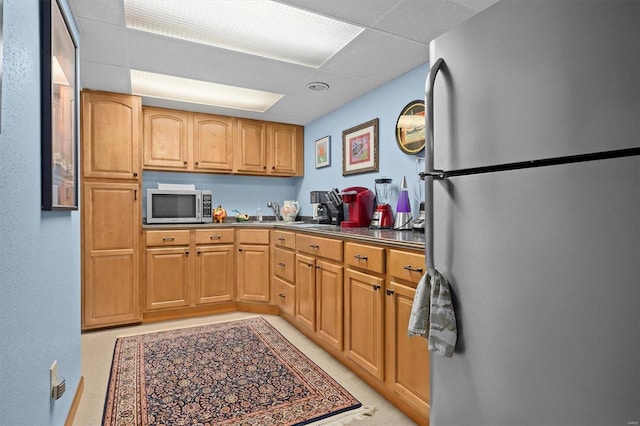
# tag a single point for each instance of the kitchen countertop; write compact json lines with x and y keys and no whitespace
{"x":402,"y":239}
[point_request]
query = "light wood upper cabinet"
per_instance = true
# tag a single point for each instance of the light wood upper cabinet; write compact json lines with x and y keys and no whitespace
{"x":212,"y":143}
{"x":186,"y":141}
{"x":265,"y":148}
{"x":166,"y":138}
{"x":111,"y":135}
{"x":285,"y":149}
{"x":250,"y":154}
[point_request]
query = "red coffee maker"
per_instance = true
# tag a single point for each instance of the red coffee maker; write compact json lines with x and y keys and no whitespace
{"x":357,"y":202}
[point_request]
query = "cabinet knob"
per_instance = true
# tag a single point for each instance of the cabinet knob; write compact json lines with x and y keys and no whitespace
{"x":135,"y":174}
{"x":313,"y":246}
{"x":282,"y":240}
{"x":389,"y":292}
{"x":376,"y":287}
{"x":281,"y":264}
{"x":281,"y":295}
{"x":240,"y":249}
{"x":186,"y":253}
{"x":197,"y":162}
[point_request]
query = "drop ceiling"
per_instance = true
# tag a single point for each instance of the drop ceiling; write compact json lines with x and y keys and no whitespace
{"x":395,"y":40}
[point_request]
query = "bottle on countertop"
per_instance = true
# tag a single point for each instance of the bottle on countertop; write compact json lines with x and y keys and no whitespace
{"x":259,"y":214}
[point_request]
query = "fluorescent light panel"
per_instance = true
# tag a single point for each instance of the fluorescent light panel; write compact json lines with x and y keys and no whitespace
{"x":200,"y":92}
{"x":256,"y":27}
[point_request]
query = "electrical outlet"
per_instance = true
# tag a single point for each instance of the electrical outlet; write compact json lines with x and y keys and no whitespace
{"x":56,"y":386}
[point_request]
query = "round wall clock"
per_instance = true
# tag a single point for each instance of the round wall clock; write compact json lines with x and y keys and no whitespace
{"x":410,"y":128}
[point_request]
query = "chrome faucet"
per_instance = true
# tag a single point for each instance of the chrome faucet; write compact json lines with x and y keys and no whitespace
{"x":275,"y":207}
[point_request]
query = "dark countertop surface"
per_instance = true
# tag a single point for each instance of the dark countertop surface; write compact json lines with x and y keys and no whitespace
{"x":402,"y":239}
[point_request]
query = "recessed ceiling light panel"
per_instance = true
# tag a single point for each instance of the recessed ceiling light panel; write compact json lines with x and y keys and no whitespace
{"x":200,"y":92}
{"x":256,"y":27}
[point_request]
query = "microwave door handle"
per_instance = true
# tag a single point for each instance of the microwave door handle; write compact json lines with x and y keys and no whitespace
{"x":428,"y":180}
{"x":199,"y":207}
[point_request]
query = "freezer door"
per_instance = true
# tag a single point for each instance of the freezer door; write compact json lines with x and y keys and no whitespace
{"x":533,"y":80}
{"x":544,"y":266}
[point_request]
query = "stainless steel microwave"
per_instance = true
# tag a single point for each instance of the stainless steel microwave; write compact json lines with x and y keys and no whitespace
{"x":179,"y":206}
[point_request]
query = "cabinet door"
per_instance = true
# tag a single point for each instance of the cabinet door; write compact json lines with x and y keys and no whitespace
{"x":166,"y":135}
{"x":285,"y":149}
{"x":111,"y":135}
{"x":167,"y":277}
{"x":407,"y":357}
{"x":212,"y":143}
{"x":250,"y":150}
{"x":329,"y":303}
{"x":253,"y":273}
{"x":110,"y":254}
{"x":214,"y":273}
{"x":306,"y":291}
{"x":363,"y":317}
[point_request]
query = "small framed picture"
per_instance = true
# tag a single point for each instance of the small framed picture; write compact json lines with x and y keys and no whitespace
{"x":323,"y":152}
{"x":360,"y":148}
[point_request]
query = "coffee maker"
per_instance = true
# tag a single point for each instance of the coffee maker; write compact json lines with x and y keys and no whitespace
{"x":358,"y":206}
{"x":327,"y":207}
{"x":318,"y":201}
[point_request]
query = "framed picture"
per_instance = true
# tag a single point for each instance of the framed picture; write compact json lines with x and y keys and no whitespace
{"x":59,"y":114}
{"x":323,"y":152}
{"x":410,"y":128}
{"x":360,"y":148}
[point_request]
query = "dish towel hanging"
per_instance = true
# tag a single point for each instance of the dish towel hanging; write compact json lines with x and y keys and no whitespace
{"x":432,"y":314}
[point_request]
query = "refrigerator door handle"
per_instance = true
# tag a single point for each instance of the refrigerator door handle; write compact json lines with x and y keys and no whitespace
{"x":429,"y":175}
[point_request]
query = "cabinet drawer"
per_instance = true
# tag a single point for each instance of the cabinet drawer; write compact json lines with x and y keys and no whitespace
{"x":318,"y":246}
{"x":284,"y":239}
{"x":284,"y":264}
{"x":214,"y":236}
{"x":365,"y":257}
{"x":253,"y":236}
{"x":167,"y":238}
{"x":285,"y":296}
{"x":407,"y":266}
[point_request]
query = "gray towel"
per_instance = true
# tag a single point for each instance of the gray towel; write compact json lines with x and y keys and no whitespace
{"x":432,"y":315}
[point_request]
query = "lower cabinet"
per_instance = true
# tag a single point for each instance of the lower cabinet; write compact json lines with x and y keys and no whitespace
{"x":110,"y":254}
{"x":188,"y":268}
{"x":284,"y":245}
{"x":363,"y":316}
{"x":407,"y":358}
{"x":167,"y":277}
{"x":215,"y":263}
{"x":253,"y":272}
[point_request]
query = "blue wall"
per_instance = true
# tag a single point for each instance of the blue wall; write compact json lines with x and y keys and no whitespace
{"x":243,"y":193}
{"x":40,"y":251}
{"x":385,"y":103}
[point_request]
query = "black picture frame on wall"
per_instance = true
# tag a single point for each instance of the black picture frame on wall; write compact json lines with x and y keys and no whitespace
{"x":59,"y":92}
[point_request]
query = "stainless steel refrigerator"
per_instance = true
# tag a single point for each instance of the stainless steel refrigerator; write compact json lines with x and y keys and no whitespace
{"x":533,"y":191}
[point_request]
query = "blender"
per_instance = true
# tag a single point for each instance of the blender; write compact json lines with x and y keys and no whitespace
{"x":383,"y":214}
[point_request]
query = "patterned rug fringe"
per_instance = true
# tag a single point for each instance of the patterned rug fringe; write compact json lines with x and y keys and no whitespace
{"x":364,"y":412}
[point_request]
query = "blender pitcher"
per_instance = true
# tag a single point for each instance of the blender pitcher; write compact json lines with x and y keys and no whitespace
{"x":383,"y":214}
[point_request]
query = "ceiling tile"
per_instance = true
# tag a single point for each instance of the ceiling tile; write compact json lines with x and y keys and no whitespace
{"x":379,"y":56}
{"x":363,"y":12}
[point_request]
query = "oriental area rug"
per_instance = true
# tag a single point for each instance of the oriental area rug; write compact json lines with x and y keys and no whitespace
{"x":241,"y":372}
